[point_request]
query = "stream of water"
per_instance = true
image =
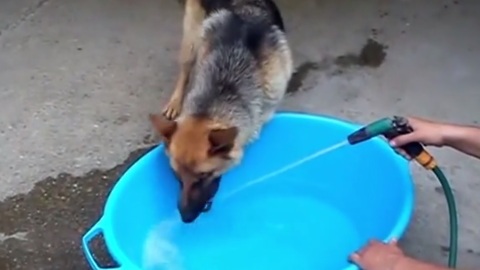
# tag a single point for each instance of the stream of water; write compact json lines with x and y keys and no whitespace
{"x":288,"y":167}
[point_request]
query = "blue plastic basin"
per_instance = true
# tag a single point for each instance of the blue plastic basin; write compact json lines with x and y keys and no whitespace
{"x":309,"y":218}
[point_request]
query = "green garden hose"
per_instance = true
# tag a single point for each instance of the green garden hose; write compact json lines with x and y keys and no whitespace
{"x":452,"y":258}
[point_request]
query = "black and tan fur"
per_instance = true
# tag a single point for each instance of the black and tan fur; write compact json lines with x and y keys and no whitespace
{"x":242,"y":63}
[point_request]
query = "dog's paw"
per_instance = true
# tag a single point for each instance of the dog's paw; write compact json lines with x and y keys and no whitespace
{"x":173,"y":108}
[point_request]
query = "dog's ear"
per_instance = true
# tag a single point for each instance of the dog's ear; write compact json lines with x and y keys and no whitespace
{"x":222,"y":140}
{"x":163,"y":126}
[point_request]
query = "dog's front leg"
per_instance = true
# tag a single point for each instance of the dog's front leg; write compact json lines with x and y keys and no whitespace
{"x":192,"y":22}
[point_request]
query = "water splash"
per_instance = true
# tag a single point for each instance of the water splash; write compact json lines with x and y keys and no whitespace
{"x":287,"y":167}
{"x":160,"y":251}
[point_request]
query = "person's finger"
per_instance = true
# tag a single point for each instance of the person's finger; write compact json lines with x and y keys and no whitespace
{"x":364,"y":248}
{"x":416,"y":122}
{"x":355,"y":258}
{"x":404,"y":139}
{"x":393,"y":242}
{"x":361,"y":251}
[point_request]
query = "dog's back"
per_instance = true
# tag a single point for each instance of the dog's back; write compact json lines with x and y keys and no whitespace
{"x":248,"y":9}
{"x":243,"y":67}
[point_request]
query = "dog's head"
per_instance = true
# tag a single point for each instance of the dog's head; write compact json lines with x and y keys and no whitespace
{"x":200,"y":152}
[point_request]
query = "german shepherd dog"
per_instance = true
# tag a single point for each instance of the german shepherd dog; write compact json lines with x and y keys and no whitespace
{"x":242,"y":64}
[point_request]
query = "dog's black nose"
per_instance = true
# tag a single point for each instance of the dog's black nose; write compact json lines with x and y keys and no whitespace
{"x":188,"y":218}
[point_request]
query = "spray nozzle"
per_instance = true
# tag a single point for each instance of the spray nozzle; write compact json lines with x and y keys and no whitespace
{"x":391,"y":128}
{"x":377,"y":128}
{"x":388,"y":127}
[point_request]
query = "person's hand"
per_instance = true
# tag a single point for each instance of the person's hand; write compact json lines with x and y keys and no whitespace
{"x":378,"y":256}
{"x":424,"y":131}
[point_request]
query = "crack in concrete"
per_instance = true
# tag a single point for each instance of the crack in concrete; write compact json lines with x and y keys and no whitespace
{"x":22,"y":236}
{"x":31,"y":11}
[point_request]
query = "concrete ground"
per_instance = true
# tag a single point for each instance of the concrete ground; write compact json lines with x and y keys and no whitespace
{"x":78,"y":78}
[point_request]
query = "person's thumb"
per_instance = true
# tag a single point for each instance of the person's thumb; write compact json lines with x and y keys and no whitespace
{"x":404,"y":139}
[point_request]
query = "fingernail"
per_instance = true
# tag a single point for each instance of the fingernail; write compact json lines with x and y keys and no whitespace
{"x":392,"y":143}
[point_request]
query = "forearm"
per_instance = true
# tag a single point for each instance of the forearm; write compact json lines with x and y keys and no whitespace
{"x":412,"y":264}
{"x":463,"y":138}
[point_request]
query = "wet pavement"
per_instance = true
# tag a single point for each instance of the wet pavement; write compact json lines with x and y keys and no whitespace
{"x":43,"y":228}
{"x":78,"y":79}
